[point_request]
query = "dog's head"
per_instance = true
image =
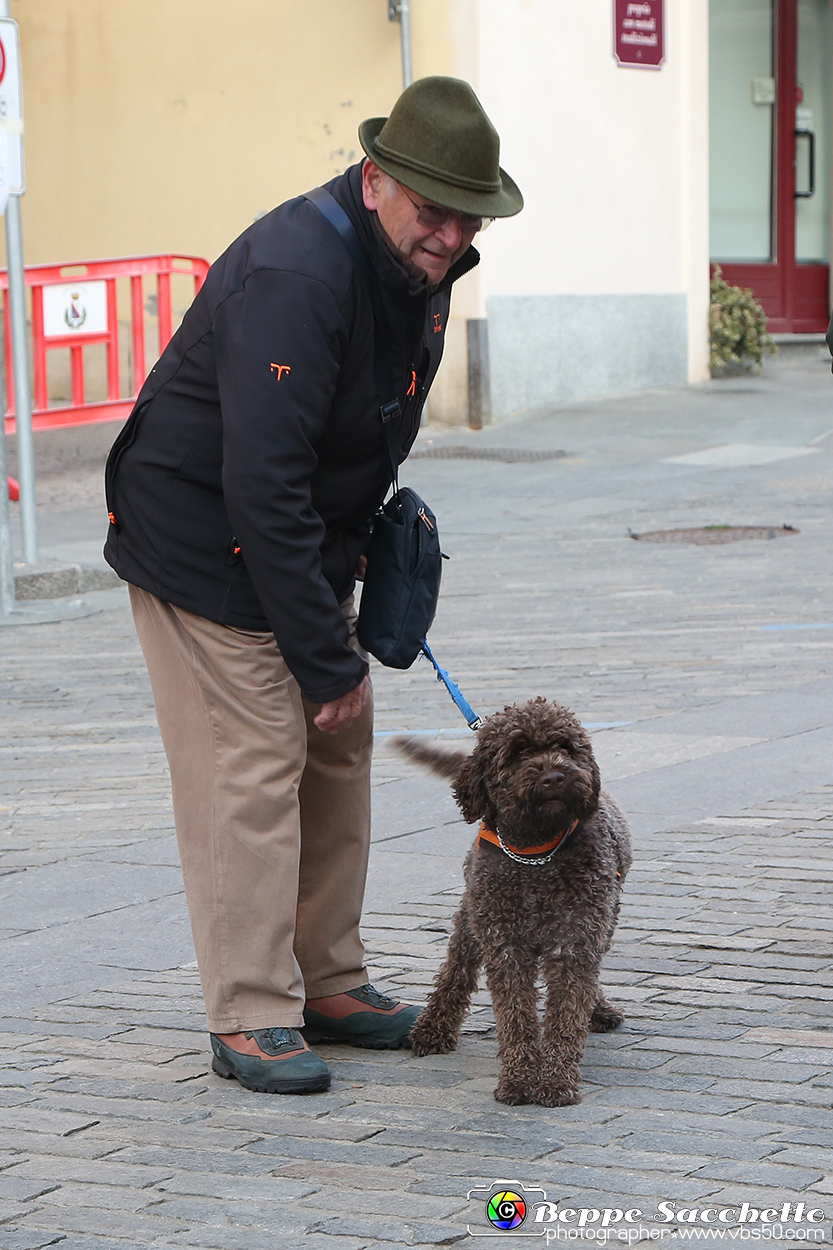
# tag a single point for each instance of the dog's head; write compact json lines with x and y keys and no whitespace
{"x":532,"y":769}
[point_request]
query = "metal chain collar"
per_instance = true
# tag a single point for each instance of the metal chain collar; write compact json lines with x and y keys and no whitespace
{"x":535,"y":859}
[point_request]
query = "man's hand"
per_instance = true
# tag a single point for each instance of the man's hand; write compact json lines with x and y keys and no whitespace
{"x":339,"y":713}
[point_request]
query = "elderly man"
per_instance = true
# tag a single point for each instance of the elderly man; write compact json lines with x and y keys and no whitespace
{"x":241,"y":493}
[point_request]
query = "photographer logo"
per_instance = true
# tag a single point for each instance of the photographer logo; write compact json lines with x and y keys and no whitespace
{"x":506,"y":1210}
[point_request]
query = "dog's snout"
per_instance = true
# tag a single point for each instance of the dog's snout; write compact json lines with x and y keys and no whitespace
{"x":552,"y":781}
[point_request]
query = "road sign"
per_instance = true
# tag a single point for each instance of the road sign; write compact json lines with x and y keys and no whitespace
{"x":11,"y":113}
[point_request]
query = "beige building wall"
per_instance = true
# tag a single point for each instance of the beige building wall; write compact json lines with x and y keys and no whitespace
{"x":158,"y":126}
{"x":170,"y":125}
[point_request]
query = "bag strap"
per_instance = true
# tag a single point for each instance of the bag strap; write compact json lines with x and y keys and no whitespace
{"x":390,"y":409}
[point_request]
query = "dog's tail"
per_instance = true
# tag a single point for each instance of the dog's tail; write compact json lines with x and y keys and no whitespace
{"x":445,"y":763}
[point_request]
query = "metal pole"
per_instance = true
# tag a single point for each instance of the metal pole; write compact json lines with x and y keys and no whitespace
{"x":20,"y":361}
{"x":22,"y":391}
{"x":405,"y":22}
{"x":6,"y":556}
{"x":400,"y":11}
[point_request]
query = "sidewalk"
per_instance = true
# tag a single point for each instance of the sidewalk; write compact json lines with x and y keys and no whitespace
{"x":706,"y":674}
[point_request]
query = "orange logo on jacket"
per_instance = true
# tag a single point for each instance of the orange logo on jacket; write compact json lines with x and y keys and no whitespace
{"x":437,"y":326}
{"x":280,"y":370}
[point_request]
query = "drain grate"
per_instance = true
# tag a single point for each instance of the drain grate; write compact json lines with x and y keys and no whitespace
{"x":509,"y":455}
{"x":706,"y":535}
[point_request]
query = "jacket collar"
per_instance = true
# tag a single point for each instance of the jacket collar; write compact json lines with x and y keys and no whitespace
{"x":347,"y":190}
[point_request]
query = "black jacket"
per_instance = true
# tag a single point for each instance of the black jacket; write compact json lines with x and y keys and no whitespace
{"x":242,"y":485}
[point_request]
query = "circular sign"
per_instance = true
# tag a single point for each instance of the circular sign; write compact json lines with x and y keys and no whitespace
{"x":506,"y":1210}
{"x":2,"y":61}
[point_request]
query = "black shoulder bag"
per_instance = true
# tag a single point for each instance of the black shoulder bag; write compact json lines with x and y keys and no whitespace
{"x":404,"y":561}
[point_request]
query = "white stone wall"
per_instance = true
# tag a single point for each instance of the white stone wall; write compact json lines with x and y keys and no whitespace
{"x":613,"y":164}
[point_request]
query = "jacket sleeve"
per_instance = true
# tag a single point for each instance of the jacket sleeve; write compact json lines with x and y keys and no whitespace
{"x":279,"y":343}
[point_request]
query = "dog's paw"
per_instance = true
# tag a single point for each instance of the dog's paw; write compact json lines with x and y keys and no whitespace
{"x":427,"y":1038}
{"x":555,"y":1096}
{"x":514,"y":1091}
{"x":605,"y":1017}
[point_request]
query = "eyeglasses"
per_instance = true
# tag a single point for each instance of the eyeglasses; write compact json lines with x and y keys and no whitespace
{"x":436,"y":218}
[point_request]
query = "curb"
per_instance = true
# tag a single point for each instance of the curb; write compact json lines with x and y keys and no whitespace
{"x":52,"y":579}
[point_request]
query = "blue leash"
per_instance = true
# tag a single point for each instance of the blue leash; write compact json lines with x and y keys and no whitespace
{"x":472,"y":719}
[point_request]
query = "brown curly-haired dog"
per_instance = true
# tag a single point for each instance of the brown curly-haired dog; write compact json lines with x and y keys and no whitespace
{"x":531,"y":910}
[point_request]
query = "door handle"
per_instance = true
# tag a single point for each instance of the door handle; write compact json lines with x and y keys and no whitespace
{"x":808,"y":134}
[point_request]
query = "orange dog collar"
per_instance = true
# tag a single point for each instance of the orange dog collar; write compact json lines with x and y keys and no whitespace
{"x":489,"y":835}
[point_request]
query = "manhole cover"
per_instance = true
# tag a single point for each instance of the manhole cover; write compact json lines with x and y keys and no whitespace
{"x":509,"y":455}
{"x":709,"y":534}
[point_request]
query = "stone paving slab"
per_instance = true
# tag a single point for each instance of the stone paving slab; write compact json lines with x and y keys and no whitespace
{"x":706,"y":676}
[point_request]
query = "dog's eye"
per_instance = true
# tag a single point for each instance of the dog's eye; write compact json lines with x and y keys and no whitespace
{"x":557,"y":747}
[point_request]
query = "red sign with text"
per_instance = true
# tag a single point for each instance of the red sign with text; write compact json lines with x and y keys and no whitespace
{"x":639,"y":36}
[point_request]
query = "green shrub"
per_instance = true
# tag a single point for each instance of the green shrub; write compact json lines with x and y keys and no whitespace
{"x":738,"y":325}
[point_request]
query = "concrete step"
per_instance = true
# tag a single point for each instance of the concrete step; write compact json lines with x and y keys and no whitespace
{"x":53,"y":579}
{"x":794,"y":348}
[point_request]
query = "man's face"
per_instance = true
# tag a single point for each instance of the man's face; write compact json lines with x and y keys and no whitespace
{"x":432,"y":250}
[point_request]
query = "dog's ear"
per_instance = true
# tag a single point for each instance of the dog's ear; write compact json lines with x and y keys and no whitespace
{"x":471,"y":793}
{"x":582,"y":749}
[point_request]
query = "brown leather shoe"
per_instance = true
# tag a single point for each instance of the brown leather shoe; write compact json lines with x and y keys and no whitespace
{"x":269,"y":1061}
{"x":361,"y":1017}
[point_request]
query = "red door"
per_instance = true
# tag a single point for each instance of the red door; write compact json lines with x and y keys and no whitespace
{"x":793,"y":283}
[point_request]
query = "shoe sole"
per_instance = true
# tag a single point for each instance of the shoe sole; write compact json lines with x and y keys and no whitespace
{"x":314,"y":1039}
{"x":301,"y":1085}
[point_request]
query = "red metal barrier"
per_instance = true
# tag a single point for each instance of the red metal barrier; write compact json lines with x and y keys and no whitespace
{"x":75,"y":305}
{"x":14,"y":488}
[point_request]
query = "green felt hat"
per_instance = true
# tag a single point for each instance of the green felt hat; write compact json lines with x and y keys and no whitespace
{"x":439,"y":142}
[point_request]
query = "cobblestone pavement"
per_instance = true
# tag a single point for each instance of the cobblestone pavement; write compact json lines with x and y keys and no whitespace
{"x":707,"y":676}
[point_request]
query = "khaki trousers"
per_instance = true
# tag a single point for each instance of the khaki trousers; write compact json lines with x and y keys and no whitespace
{"x":272,"y":818}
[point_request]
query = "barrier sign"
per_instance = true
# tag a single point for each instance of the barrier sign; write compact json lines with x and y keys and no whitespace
{"x":73,"y":312}
{"x":76,"y":308}
{"x":11,"y":113}
{"x":639,"y":35}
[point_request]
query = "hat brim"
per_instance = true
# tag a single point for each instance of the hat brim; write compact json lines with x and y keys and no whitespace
{"x":503,"y":203}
